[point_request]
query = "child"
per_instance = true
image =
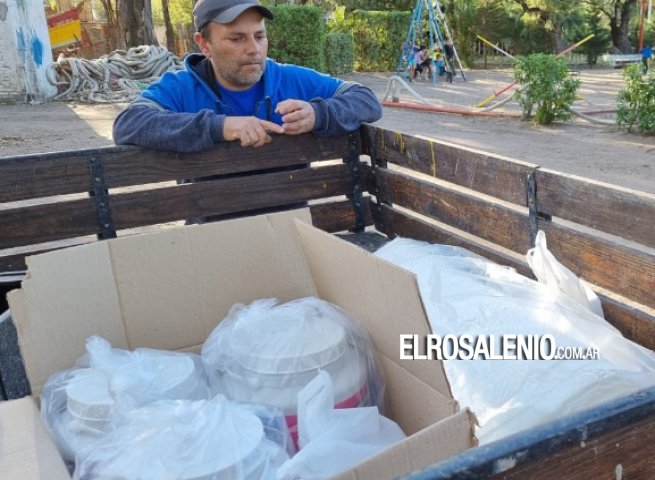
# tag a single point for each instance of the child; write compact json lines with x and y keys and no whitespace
{"x":422,"y":61}
{"x":438,"y":59}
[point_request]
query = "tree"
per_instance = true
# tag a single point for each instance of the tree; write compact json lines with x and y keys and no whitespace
{"x":495,"y":23}
{"x":170,"y":33}
{"x":551,"y":14}
{"x":136,"y":22}
{"x":116,"y":40}
{"x":618,"y":13}
{"x":464,"y":21}
{"x":590,"y":22}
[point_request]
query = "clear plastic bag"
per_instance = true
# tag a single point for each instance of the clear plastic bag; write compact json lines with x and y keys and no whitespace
{"x":561,"y":280}
{"x":183,"y":440}
{"x":266,"y":353}
{"x":467,"y":294}
{"x":82,"y":404}
{"x":145,"y":375}
{"x":334,"y":440}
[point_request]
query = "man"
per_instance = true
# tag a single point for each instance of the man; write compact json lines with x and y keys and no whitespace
{"x":232,"y":92}
{"x":449,"y":51}
{"x":646,"y":54}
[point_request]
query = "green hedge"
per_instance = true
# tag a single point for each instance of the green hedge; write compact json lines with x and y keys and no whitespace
{"x":297,"y":35}
{"x":378,"y":37}
{"x":636,"y":101}
{"x":339,"y":53}
{"x":363,"y":40}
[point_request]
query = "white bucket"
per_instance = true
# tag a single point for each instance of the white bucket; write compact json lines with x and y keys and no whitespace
{"x":273,"y":375}
{"x":88,"y":399}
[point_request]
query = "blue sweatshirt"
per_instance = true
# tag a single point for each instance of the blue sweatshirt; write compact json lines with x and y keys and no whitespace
{"x":184,"y":110}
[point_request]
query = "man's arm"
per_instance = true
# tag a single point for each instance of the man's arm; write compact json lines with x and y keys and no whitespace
{"x":148,"y":124}
{"x":350,"y":106}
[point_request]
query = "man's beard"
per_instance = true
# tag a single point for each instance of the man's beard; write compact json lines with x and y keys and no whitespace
{"x":231,"y":70}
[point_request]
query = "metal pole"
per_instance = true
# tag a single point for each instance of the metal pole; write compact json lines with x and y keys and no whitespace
{"x":496,"y":47}
{"x":642,"y":8}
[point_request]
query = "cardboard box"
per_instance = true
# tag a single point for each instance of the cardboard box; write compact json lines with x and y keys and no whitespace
{"x":26,"y":450}
{"x":169,"y":290}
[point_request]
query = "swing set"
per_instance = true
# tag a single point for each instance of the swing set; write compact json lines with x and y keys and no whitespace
{"x":432,"y":13}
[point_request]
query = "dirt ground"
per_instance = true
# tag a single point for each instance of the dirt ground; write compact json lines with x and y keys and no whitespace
{"x":578,"y":147}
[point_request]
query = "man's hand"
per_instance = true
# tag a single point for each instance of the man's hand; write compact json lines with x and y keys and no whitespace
{"x":297,"y":116}
{"x":250,"y":131}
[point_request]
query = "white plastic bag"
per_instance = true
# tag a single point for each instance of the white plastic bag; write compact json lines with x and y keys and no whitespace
{"x":183,"y":440}
{"x":333,"y":440}
{"x":466,"y":294}
{"x":82,"y":404}
{"x":145,"y":375}
{"x":267,"y":352}
{"x":560,"y":279}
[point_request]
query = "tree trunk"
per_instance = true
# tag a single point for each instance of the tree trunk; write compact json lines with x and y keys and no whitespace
{"x":556,"y":36}
{"x":113,"y":26}
{"x":170,"y":33}
{"x":620,"y":25}
{"x":136,"y":19}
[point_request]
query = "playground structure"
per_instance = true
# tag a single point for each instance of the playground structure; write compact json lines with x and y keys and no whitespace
{"x":396,"y":82}
{"x":432,"y":12}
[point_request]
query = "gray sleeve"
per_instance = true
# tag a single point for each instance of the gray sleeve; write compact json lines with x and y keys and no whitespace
{"x":147,"y":124}
{"x":350,"y":106}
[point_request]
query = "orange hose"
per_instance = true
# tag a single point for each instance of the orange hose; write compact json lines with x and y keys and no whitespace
{"x":463,"y":111}
{"x":458,"y":111}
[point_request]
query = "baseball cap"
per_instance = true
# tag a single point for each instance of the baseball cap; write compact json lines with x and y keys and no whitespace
{"x":224,"y":11}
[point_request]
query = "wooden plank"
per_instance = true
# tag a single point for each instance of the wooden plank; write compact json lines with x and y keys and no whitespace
{"x":483,"y":217}
{"x":602,"y":261}
{"x":627,"y":213}
{"x":49,"y":222}
{"x":229,"y":195}
{"x":150,"y":166}
{"x":338,"y":216}
{"x":395,"y":223}
{"x":330,"y":216}
{"x":627,"y":450}
{"x":612,"y":441}
{"x":13,"y":259}
{"x":33,"y":176}
{"x":635,"y":321}
{"x":491,"y":174}
{"x":611,"y":209}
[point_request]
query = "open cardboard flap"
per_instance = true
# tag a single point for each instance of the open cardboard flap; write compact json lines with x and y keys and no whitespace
{"x":169,"y":289}
{"x":26,"y":450}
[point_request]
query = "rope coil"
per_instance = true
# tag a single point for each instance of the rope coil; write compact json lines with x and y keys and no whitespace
{"x":116,"y":77}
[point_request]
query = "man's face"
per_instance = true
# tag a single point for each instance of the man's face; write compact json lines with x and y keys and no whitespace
{"x":237,"y":50}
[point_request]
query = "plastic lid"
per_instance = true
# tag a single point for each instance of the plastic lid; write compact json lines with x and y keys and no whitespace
{"x":234,"y":452}
{"x":87,"y":395}
{"x":173,"y":372}
{"x":279,"y":345}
